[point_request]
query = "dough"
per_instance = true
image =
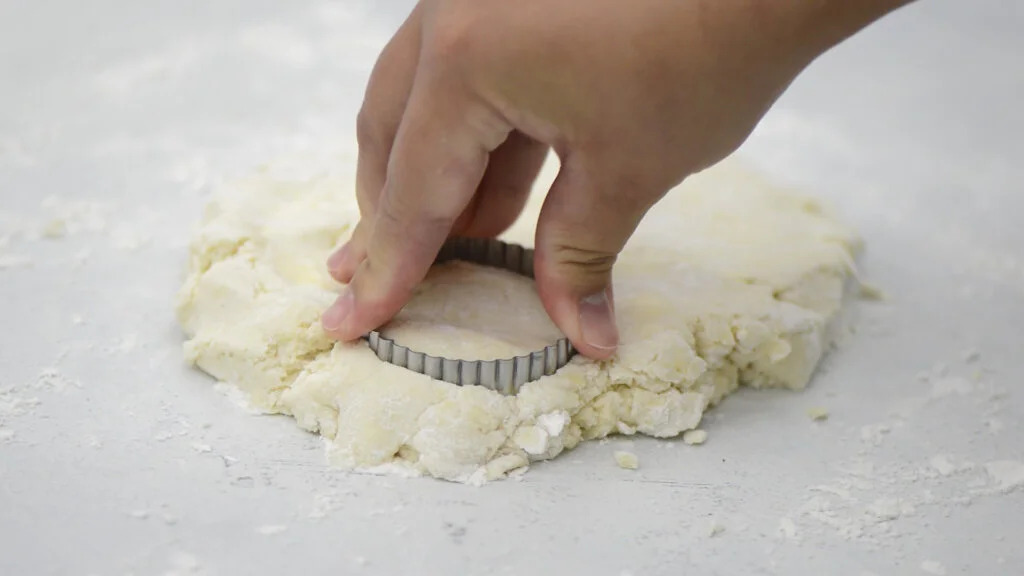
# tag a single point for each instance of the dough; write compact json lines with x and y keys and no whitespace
{"x":729,"y":281}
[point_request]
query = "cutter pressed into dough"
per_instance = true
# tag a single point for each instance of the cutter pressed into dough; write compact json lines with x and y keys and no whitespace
{"x":505,"y":375}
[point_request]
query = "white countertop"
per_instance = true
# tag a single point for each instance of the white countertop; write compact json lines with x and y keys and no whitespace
{"x":117,"y":459}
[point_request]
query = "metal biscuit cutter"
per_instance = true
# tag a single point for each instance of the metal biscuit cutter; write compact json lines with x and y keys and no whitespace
{"x":505,"y":375}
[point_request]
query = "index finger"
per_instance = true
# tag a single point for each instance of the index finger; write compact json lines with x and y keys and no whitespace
{"x":380,"y":115}
{"x":438,"y":160}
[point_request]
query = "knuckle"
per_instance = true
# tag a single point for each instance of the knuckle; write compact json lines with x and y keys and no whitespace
{"x":455,"y":35}
{"x":365,"y":200}
{"x":461,"y":167}
{"x":404,"y":217}
{"x":369,"y":134}
{"x":589,"y":261}
{"x":394,"y":211}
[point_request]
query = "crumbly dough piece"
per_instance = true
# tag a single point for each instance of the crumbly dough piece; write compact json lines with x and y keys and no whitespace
{"x":695,"y":437}
{"x":728,"y":281}
{"x":626,"y":460}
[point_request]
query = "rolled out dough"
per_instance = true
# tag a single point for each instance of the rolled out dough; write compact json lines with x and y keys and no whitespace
{"x":729,"y":281}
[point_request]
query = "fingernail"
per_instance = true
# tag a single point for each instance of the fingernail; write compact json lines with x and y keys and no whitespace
{"x":597,"y":321}
{"x":335,"y":316}
{"x":337,"y":259}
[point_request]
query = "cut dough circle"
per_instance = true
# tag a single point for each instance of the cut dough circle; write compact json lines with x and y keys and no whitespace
{"x":728,"y":281}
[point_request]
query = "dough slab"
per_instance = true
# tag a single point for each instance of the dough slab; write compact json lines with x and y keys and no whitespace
{"x":729,"y":281}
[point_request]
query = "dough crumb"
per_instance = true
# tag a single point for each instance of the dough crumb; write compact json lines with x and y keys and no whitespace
{"x":626,"y":460}
{"x":890,"y":508}
{"x":54,"y":229}
{"x":817,"y":413}
{"x":933,"y":567}
{"x":871,"y":292}
{"x":695,"y":437}
{"x":715,"y":528}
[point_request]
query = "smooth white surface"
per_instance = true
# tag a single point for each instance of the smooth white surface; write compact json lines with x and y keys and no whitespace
{"x":140,"y":467}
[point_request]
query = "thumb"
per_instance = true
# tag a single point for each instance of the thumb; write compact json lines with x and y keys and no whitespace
{"x":585,"y":222}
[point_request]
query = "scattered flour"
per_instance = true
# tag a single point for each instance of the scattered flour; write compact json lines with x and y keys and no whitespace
{"x":125,"y":79}
{"x":9,"y":261}
{"x":787,"y":529}
{"x":186,"y":564}
{"x":123,"y":344}
{"x":71,"y":216}
{"x":279,"y":44}
{"x":942,"y":465}
{"x":951,"y":385}
{"x":238,"y":398}
{"x":15,"y":152}
{"x":933,"y":567}
{"x":868,"y":502}
{"x":19,"y":401}
{"x":51,"y":378}
{"x":1007,"y":475}
{"x":324,"y":504}
{"x":875,"y":433}
{"x":890,"y":508}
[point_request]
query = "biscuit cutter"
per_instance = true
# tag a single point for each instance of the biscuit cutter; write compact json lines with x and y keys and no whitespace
{"x":504,"y":375}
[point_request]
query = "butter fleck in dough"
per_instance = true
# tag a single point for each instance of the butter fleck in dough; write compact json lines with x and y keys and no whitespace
{"x":728,"y":281}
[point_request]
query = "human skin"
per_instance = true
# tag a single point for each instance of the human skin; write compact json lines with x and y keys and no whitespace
{"x":469,"y":96}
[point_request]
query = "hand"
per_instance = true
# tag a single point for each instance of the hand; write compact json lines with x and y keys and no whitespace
{"x":468,"y":97}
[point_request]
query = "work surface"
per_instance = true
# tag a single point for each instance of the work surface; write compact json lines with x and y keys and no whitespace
{"x":117,"y":117}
